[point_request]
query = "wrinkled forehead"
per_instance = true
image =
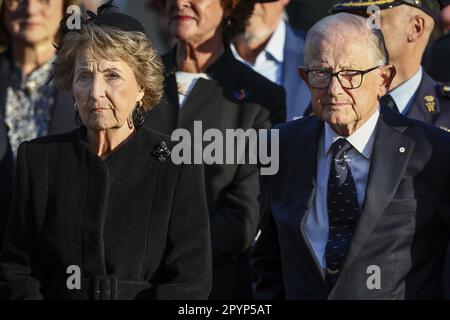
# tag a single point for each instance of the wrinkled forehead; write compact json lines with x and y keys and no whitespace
{"x":339,"y":51}
{"x":87,"y":58}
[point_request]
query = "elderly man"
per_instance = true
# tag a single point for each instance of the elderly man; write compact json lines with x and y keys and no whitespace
{"x":360,"y":207}
{"x":407,"y":26}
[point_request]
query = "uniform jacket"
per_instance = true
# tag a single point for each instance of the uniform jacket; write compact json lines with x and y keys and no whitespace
{"x":431,"y":103}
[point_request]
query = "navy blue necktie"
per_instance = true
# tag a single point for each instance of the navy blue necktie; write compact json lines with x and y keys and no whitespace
{"x":343,"y":210}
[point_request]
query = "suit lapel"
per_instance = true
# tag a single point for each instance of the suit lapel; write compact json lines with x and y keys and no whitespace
{"x":62,"y":118}
{"x":390,"y":156}
{"x":163,"y":118}
{"x":198,"y":103}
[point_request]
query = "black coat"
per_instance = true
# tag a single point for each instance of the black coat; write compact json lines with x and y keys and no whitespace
{"x":62,"y":120}
{"x":403,"y":227}
{"x":436,"y":59}
{"x":237,"y":97}
{"x":137,"y":227}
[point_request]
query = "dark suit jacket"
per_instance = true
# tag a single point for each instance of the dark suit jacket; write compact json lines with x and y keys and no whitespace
{"x":136,"y":227}
{"x":436,"y":60}
{"x":237,"y":97}
{"x":62,"y":119}
{"x":298,"y":96}
{"x":403,"y":228}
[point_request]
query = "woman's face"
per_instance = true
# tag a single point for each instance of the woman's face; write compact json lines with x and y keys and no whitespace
{"x":33,"y":21}
{"x":195,"y":21}
{"x":106,"y":92}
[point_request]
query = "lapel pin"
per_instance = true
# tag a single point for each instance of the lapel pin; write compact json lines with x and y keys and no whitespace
{"x":241,"y":94}
{"x":402,"y":150}
{"x":161,"y":152}
{"x":430,"y":103}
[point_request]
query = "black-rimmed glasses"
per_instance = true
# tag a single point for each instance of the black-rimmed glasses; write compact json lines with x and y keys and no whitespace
{"x":349,"y":79}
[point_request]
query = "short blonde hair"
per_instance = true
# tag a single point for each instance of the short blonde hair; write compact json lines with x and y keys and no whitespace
{"x":134,"y":48}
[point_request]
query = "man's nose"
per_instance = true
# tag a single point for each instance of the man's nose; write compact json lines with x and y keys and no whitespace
{"x":334,"y":88}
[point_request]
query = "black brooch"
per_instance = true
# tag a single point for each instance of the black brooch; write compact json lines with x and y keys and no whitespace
{"x":161,"y":152}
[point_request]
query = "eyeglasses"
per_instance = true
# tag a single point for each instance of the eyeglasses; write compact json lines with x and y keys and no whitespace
{"x":349,"y":79}
{"x":13,"y":5}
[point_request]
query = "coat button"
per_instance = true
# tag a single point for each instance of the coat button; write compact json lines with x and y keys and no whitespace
{"x":402,"y":150}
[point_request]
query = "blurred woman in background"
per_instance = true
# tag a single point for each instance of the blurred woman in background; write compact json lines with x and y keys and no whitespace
{"x":29,"y":106}
{"x":204,"y":82}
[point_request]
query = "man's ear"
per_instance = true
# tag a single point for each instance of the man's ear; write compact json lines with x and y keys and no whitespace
{"x":388,"y":73}
{"x":416,"y":28}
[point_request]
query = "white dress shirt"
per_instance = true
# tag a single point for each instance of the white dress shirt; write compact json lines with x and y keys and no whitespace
{"x":403,"y":94}
{"x":316,"y":225}
{"x":269,"y":62}
{"x":186,"y":82}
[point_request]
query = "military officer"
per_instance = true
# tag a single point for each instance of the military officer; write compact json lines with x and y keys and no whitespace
{"x":407,"y":26}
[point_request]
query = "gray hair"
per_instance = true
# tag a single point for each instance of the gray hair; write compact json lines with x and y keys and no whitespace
{"x":347,"y":25}
{"x":134,"y":48}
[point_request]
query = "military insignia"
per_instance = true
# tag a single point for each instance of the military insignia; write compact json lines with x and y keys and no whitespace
{"x":161,"y":152}
{"x":430,"y":103}
{"x":445,"y":128}
{"x":445,"y":90}
{"x":241,"y":94}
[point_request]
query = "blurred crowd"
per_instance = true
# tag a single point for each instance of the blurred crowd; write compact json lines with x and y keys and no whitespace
{"x":238,"y":68}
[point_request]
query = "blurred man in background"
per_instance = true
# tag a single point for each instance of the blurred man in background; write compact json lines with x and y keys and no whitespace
{"x":407,"y":26}
{"x":272,"y":48}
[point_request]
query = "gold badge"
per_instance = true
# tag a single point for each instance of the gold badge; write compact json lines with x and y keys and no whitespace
{"x":445,"y":128}
{"x":430,"y":103}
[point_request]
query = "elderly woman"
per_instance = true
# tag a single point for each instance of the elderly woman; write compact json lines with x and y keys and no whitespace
{"x":29,"y":107}
{"x":204,"y":82}
{"x":102,"y":212}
